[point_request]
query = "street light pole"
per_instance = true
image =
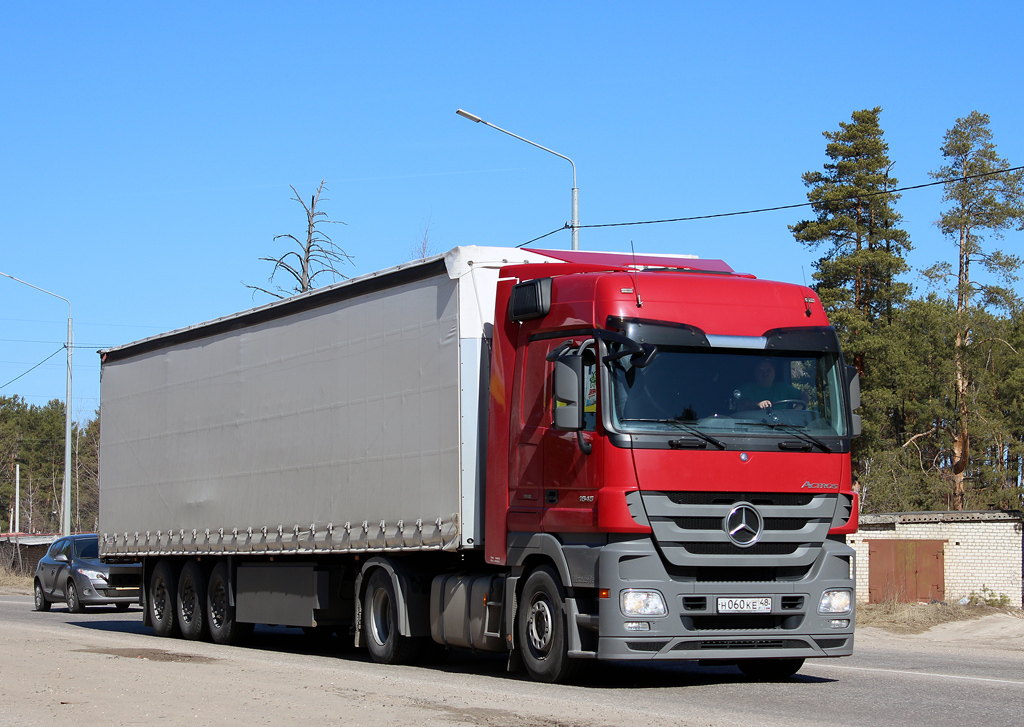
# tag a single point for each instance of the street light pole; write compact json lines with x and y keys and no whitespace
{"x":65,"y":517}
{"x":575,"y":224}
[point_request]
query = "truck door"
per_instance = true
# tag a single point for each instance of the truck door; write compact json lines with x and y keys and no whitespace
{"x":550,"y":482}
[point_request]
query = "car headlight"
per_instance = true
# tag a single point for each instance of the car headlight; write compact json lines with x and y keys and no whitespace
{"x":93,"y":575}
{"x":834,"y":602}
{"x":642,"y":603}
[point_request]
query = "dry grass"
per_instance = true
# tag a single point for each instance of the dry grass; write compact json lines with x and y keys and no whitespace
{"x":14,"y":580}
{"x":916,"y":618}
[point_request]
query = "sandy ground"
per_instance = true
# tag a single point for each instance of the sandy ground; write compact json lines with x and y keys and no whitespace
{"x":997,"y":632}
{"x":55,"y":671}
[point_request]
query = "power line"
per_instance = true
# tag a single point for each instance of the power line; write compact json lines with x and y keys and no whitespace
{"x":566,"y":227}
{"x":785,"y":206}
{"x":33,"y":368}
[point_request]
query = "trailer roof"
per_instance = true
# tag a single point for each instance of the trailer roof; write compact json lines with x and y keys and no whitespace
{"x":456,"y":263}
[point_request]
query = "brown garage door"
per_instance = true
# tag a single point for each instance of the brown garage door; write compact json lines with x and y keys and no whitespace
{"x":908,"y":571}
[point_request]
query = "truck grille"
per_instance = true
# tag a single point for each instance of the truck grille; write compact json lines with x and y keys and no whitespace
{"x":690,"y":529}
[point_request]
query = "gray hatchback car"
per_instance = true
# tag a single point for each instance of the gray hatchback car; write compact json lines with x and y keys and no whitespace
{"x":72,"y":572}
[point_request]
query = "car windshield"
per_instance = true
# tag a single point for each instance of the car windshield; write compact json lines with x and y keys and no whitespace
{"x":723,"y":390}
{"x":87,"y":548}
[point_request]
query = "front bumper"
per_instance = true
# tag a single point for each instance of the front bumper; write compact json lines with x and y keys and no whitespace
{"x":694,"y":629}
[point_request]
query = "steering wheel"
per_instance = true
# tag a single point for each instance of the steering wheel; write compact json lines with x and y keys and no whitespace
{"x":792,"y":403}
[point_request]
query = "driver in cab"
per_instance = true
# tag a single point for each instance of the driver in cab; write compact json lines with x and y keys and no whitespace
{"x":764,"y":390}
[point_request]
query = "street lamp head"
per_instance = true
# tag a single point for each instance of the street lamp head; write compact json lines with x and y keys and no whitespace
{"x":467,"y":115}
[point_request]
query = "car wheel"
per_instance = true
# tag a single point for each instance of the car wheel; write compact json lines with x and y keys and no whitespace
{"x":541,"y":628}
{"x":163,"y":589}
{"x":767,"y":670}
{"x":41,"y":603}
{"x":122,"y":606}
{"x":72,"y":598}
{"x":380,"y":623}
{"x":220,"y":614}
{"x":191,"y":602}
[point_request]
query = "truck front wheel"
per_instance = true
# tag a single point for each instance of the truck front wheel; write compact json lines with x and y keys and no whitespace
{"x":163,"y":591}
{"x":541,"y":628}
{"x":380,"y":622}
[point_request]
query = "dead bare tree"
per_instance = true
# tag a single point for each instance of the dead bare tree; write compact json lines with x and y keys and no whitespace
{"x":316,"y":255}
{"x":423,"y":248}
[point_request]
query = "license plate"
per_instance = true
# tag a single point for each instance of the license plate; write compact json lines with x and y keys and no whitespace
{"x":745,"y":605}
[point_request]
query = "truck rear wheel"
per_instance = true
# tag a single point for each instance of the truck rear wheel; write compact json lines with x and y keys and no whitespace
{"x":220,"y":614}
{"x":541,"y":628}
{"x":380,"y":623}
{"x":191,"y":601}
{"x":160,"y":600}
{"x":766,"y":670}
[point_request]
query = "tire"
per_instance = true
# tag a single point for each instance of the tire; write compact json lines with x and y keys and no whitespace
{"x":541,"y":628}
{"x":122,"y":606}
{"x":380,"y":623}
{"x":41,"y":603}
{"x":161,"y":597}
{"x":190,"y":605}
{"x":72,"y":598}
{"x":220,"y":614}
{"x":770,"y":670}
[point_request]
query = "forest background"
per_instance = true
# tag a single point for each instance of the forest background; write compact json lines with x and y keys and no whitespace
{"x":938,"y":350}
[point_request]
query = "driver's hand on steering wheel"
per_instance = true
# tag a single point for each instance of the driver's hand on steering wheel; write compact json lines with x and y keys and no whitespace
{"x":766,"y":404}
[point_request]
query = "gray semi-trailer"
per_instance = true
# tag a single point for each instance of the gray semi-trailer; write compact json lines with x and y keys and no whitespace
{"x":482,"y":450}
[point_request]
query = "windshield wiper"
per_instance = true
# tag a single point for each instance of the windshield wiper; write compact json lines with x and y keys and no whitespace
{"x":792,"y":429}
{"x":800,"y":434}
{"x":688,"y":428}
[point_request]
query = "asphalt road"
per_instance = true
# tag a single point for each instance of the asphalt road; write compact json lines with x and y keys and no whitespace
{"x":105,"y":667}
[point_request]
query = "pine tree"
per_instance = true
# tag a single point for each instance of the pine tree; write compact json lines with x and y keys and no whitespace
{"x":855,"y":218}
{"x":984,"y":197}
{"x":857,"y":277}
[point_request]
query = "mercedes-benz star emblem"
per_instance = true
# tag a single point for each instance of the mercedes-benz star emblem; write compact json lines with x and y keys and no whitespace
{"x":744,"y":525}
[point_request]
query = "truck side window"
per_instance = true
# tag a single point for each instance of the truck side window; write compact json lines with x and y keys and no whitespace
{"x":590,"y":397}
{"x":537,"y":385}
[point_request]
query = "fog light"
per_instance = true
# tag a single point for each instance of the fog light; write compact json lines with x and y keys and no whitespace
{"x":637,"y":626}
{"x":839,"y":623}
{"x":642,"y":603}
{"x":834,"y":602}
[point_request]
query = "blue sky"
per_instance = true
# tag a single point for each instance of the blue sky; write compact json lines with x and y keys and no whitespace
{"x":146,"y":149}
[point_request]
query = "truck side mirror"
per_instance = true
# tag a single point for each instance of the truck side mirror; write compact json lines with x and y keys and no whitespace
{"x":568,"y":389}
{"x":853,"y":388}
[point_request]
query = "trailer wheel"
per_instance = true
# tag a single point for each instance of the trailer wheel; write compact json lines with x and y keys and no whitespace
{"x":41,"y":603}
{"x":220,"y":614}
{"x":541,"y":628}
{"x":191,"y":601}
{"x":163,"y":589}
{"x":380,"y":623}
{"x":766,"y":670}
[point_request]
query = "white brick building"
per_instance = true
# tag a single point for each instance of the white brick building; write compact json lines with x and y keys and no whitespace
{"x":951,"y":554}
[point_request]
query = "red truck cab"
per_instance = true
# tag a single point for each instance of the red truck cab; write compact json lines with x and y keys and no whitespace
{"x":671,"y":440}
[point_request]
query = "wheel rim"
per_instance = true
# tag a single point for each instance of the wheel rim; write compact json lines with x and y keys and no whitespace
{"x":72,"y":596}
{"x":188,"y":601}
{"x":540,"y":626}
{"x":160,"y":601}
{"x":218,"y":605}
{"x":39,"y":596}
{"x":380,"y":617}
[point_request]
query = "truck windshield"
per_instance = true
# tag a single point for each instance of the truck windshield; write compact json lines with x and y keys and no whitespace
{"x":720,"y":391}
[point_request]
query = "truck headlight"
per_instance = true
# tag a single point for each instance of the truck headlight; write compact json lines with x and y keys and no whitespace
{"x":834,"y":602}
{"x":642,"y":603}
